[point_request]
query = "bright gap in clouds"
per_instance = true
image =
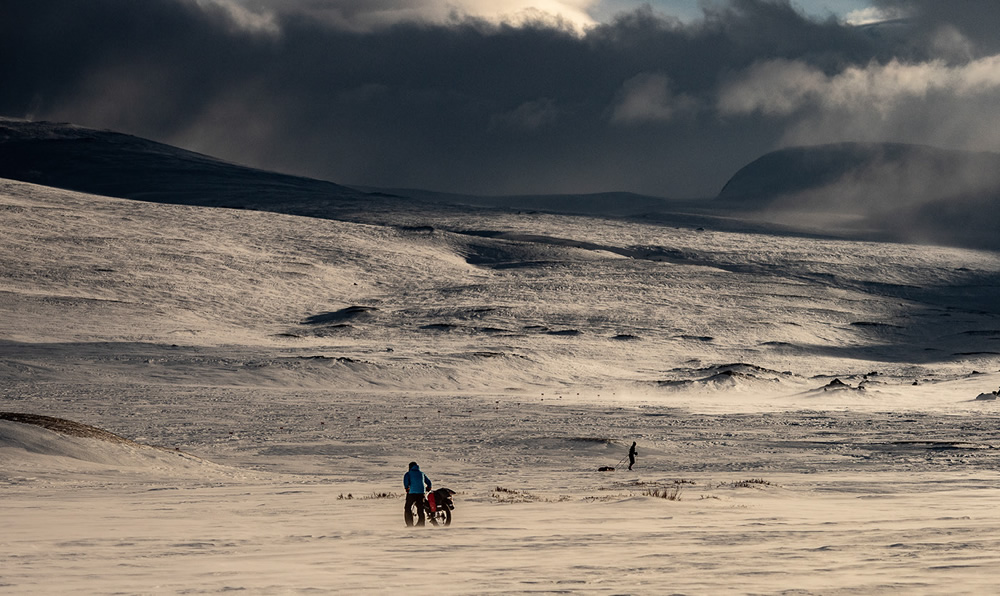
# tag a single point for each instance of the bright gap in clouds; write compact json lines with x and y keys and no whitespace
{"x":856,"y":12}
{"x":585,"y":13}
{"x":367,"y":15}
{"x":576,"y":14}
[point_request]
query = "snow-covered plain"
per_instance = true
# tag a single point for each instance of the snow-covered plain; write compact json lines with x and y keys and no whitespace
{"x":288,"y":368}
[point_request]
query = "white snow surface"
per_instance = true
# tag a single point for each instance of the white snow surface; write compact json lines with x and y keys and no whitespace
{"x":274,"y":375}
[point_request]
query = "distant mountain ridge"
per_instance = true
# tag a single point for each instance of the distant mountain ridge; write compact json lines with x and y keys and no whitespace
{"x":881,"y":191}
{"x":597,"y":203}
{"x":119,"y":165}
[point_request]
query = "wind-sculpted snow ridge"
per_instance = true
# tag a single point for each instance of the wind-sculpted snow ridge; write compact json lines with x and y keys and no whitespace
{"x":726,"y":377}
{"x":66,"y":427}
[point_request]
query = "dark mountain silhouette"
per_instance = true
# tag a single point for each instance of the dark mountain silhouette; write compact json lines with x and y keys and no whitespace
{"x":119,"y":165}
{"x":801,"y":169}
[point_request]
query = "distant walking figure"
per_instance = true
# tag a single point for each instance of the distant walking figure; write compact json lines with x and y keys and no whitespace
{"x":414,"y":482}
{"x":631,"y":455}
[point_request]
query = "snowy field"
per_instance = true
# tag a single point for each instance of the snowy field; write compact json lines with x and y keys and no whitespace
{"x":805,"y":409}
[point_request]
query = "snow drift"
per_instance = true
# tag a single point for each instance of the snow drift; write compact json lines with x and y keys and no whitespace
{"x":37,"y":444}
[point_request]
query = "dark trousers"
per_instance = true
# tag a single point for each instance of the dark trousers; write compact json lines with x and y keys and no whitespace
{"x":411,"y":500}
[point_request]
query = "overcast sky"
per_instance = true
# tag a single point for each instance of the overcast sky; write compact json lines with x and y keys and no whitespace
{"x":508,"y":96}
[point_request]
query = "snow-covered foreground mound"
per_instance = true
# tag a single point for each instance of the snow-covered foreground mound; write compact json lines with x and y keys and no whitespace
{"x":289,"y":539}
{"x":809,"y":502}
{"x":55,"y":449}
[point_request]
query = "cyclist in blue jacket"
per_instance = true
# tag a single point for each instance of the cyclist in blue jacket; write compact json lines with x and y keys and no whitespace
{"x":414,"y":482}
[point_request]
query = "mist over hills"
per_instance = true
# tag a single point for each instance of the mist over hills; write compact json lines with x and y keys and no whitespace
{"x":881,"y":191}
{"x":901,"y":192}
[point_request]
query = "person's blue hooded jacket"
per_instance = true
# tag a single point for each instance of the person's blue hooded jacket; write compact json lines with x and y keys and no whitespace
{"x":414,"y":481}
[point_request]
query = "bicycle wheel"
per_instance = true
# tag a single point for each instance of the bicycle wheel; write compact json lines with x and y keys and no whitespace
{"x":445,"y":515}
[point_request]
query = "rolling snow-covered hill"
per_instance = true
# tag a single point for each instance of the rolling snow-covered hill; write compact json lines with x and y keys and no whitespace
{"x":539,"y":300}
{"x":884,"y":192}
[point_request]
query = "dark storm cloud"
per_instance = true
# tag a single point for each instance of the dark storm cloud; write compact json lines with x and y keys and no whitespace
{"x":950,"y":29}
{"x":645,"y":103}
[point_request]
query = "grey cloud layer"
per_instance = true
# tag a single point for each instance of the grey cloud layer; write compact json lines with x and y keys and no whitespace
{"x":646,"y":103}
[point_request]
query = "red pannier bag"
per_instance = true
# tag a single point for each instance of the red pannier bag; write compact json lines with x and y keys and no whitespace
{"x":431,"y":503}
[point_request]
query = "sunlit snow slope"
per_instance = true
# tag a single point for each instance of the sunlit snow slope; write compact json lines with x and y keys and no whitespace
{"x":115,"y":287}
